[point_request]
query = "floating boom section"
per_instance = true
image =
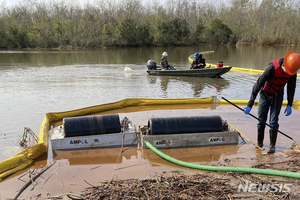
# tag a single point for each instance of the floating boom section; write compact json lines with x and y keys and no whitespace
{"x":26,"y":157}
{"x":182,"y":125}
{"x":91,"y":125}
{"x":192,"y":131}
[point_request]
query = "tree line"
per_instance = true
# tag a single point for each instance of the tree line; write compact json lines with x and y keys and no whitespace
{"x":118,"y":23}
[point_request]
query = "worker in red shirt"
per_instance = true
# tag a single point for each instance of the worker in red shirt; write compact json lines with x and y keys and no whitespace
{"x":270,"y":85}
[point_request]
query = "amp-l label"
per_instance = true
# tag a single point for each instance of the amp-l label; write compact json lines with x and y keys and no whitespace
{"x":78,"y":142}
{"x":216,"y":139}
{"x":162,"y":142}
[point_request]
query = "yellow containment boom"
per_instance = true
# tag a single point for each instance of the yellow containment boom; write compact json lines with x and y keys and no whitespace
{"x":249,"y":70}
{"x":25,"y":158}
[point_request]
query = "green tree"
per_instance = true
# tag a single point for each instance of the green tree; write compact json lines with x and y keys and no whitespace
{"x":17,"y":36}
{"x":131,"y":23}
{"x":196,"y":35}
{"x":128,"y":29}
{"x":110,"y":34}
{"x":173,"y":32}
{"x":144,"y":36}
{"x":3,"y":34}
{"x":132,"y":34}
{"x":220,"y":33}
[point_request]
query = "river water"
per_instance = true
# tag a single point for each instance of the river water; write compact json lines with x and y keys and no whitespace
{"x":35,"y":82}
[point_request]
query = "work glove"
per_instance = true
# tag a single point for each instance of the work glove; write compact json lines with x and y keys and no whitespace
{"x":247,"y":109}
{"x":288,"y":111}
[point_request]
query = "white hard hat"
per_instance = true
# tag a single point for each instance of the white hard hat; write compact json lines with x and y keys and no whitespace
{"x":164,"y":54}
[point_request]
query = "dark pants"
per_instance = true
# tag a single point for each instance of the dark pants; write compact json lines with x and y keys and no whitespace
{"x":273,"y":103}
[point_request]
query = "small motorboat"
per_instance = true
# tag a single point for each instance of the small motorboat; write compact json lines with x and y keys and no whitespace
{"x":152,"y":69}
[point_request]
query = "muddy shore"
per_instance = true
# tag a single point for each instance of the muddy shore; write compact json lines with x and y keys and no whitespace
{"x":138,"y":173}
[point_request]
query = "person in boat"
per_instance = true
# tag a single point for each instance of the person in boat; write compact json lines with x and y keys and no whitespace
{"x":220,"y":64}
{"x":270,"y":85}
{"x":198,"y":62}
{"x":164,"y":65}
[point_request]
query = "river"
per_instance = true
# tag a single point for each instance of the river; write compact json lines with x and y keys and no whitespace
{"x":35,"y":82}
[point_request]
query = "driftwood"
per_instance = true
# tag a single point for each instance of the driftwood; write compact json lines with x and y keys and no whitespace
{"x":31,"y":180}
{"x":201,"y":185}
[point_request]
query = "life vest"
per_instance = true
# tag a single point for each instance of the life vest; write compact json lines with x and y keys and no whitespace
{"x":164,"y":63}
{"x":276,"y":84}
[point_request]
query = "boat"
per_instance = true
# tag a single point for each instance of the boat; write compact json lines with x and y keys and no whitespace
{"x":153,"y":70}
{"x":239,"y":69}
{"x":205,"y":72}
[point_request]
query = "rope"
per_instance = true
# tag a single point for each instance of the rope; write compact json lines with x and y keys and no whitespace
{"x":246,"y":137}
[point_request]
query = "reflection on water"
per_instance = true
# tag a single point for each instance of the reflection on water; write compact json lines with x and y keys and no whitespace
{"x":96,"y":156}
{"x":116,"y":156}
{"x":215,"y":85}
{"x":193,"y":154}
{"x":33,"y":83}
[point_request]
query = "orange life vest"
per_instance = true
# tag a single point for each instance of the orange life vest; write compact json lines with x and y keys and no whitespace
{"x":276,"y":84}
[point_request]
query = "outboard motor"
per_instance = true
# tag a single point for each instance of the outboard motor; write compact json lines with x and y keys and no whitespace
{"x":151,"y":65}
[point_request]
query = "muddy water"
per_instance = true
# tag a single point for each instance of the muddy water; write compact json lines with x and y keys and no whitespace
{"x":37,"y":82}
{"x":76,"y":169}
{"x":33,"y":83}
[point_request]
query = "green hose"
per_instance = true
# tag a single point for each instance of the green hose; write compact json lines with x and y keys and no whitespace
{"x":224,"y":169}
